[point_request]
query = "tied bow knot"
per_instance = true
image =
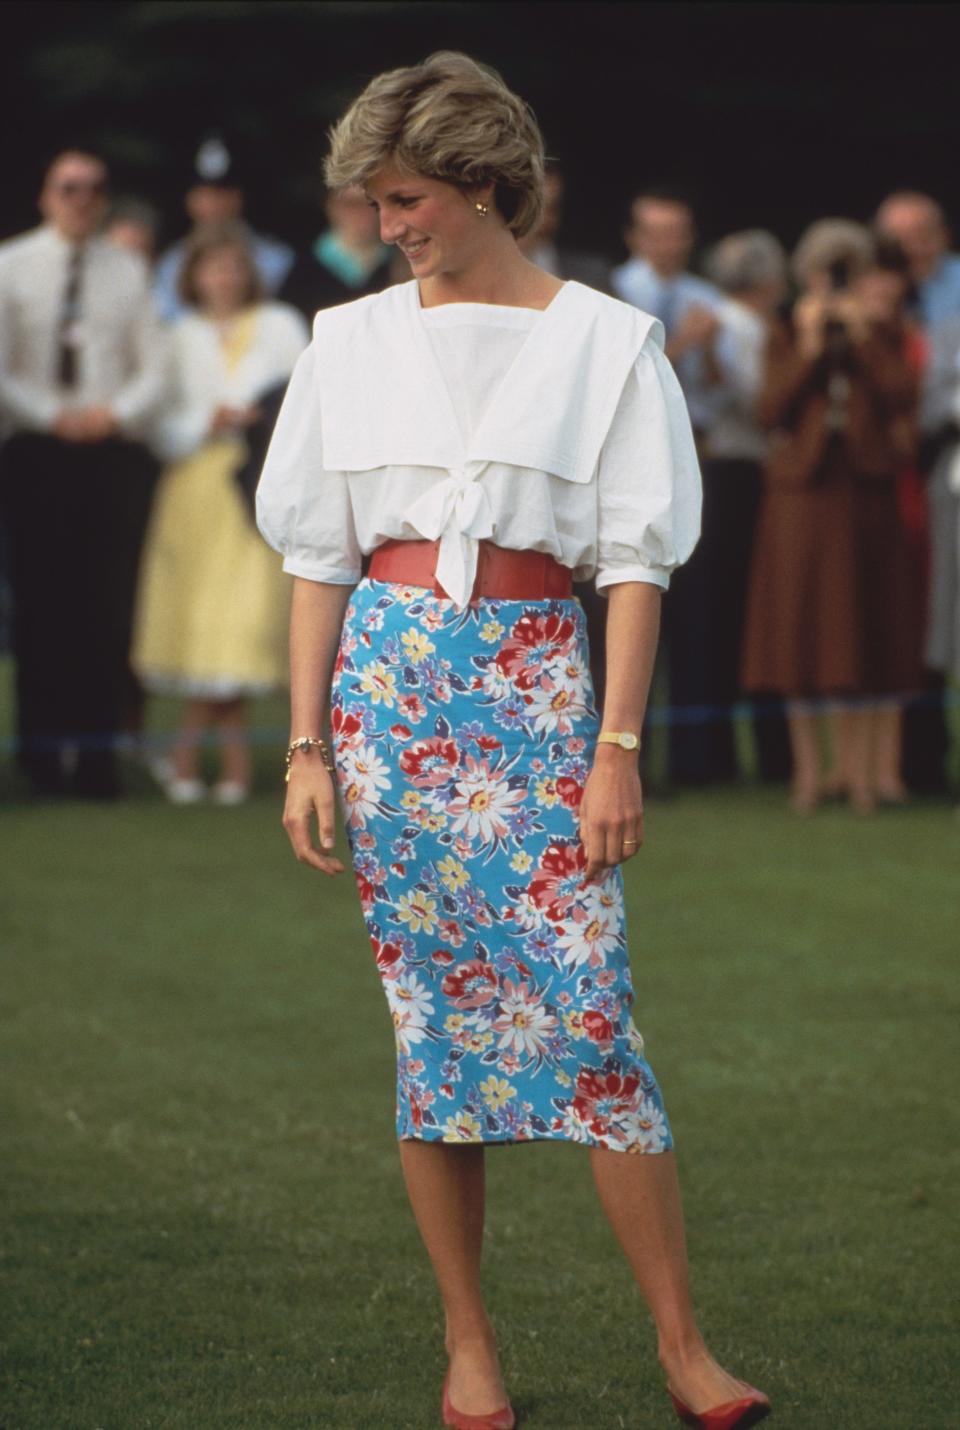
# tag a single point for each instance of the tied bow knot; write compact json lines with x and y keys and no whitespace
{"x":457,"y":512}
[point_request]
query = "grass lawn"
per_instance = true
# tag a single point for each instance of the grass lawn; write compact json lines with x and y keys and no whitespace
{"x":204,"y":1221}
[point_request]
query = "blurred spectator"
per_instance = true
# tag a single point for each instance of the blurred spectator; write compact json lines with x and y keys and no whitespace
{"x":134,"y":224}
{"x":749,"y":269}
{"x":82,"y":371}
{"x":215,"y":197}
{"x":213,"y":602}
{"x":347,"y":261}
{"x":918,"y":224}
{"x":660,"y":237}
{"x":829,"y":594}
{"x":941,"y":420}
{"x":541,"y":247}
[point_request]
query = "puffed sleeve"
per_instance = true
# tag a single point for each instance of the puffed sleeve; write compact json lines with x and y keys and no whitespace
{"x":304,"y":511}
{"x":648,"y":486}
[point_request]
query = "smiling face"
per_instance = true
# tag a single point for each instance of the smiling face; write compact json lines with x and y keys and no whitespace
{"x":434,"y":224}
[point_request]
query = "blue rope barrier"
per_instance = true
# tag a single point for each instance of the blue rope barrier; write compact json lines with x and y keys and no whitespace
{"x":659,"y":717}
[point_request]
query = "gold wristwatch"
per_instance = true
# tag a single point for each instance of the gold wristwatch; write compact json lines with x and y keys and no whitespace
{"x":626,"y":739}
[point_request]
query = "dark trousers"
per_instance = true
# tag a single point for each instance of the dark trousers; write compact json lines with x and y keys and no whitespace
{"x":704,"y":614}
{"x":75,"y":518}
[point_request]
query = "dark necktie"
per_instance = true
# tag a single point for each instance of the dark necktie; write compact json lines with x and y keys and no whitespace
{"x":67,"y":346}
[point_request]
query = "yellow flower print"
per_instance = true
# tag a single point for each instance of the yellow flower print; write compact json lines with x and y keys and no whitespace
{"x":521,"y":862}
{"x":491,"y":632}
{"x":496,"y":1091}
{"x":417,"y":645}
{"x":636,"y":1040}
{"x":411,"y":799}
{"x":453,"y":1022}
{"x":453,"y":874}
{"x":417,"y":910}
{"x":464,"y":1128}
{"x":546,"y":792}
{"x":573,"y":1022}
{"x":379,"y":683}
{"x":563,"y":1078}
{"x":432,"y":823}
{"x":474,"y":1042}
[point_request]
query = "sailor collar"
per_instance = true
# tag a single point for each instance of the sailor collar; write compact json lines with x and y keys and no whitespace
{"x":384,"y":401}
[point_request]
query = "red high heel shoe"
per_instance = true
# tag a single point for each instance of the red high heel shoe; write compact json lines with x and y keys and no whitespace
{"x":735,"y":1415}
{"x":502,"y":1419}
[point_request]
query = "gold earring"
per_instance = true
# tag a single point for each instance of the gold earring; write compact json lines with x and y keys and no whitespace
{"x":482,"y":209}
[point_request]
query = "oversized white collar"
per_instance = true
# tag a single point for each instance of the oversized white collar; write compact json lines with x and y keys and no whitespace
{"x":384,"y":401}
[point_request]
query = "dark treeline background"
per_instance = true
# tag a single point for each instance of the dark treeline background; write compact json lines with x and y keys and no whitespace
{"x":766,"y":114}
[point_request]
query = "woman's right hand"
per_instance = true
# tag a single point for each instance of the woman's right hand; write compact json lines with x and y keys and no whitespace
{"x":231,"y":420}
{"x":311,"y":795}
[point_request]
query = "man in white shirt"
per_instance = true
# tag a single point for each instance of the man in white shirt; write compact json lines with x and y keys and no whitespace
{"x":82,"y":372}
{"x":660,"y":236}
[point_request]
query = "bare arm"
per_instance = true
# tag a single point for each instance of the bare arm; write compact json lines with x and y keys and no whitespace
{"x":612,"y":807}
{"x":316,"y":619}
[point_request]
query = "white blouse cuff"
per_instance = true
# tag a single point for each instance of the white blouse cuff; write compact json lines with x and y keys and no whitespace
{"x":316,"y":571}
{"x":616,"y":575}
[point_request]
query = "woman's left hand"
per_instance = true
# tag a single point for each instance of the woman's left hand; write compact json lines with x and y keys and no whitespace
{"x":611,"y":812}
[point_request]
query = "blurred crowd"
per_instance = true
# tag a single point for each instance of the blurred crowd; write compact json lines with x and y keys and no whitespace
{"x":138,"y":390}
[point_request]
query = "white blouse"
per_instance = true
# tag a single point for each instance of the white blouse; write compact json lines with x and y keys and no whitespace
{"x":563,"y":431}
{"x":203,"y":381}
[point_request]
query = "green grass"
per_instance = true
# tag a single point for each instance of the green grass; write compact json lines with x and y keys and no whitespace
{"x":204,"y":1221}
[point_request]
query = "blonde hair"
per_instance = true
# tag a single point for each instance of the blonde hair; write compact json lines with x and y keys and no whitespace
{"x":448,"y":118}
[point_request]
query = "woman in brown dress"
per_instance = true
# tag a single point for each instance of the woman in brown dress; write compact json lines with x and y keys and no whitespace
{"x":829,"y":600}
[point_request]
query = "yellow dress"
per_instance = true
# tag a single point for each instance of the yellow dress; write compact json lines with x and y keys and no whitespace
{"x":213,"y":603}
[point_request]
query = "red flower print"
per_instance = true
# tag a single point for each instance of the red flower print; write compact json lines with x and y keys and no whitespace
{"x":597,"y":1028}
{"x":430,"y":762}
{"x":412,"y":708}
{"x":442,"y":956}
{"x":489,"y":742}
{"x":601,"y":1097}
{"x":451,"y":931}
{"x":471,"y":984}
{"x":399,"y":869}
{"x":533,"y":640}
{"x":400,"y":732}
{"x":344,"y":727}
{"x":388,"y":958}
{"x":554,"y":886}
{"x":569,"y":791}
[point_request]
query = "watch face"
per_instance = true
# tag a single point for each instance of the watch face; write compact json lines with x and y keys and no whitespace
{"x":628,"y":740}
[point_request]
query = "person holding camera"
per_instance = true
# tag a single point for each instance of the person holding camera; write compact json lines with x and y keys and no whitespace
{"x":828,"y":612}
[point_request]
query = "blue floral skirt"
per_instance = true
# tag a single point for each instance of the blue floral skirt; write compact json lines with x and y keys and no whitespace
{"x":463,"y":740}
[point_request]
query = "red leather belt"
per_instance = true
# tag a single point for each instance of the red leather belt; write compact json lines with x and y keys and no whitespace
{"x":508,"y":575}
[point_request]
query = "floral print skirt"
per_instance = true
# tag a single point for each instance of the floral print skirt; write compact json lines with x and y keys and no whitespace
{"x":462,"y":741}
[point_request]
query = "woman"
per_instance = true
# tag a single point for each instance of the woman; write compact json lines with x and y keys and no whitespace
{"x":212,"y":605}
{"x":829,"y":606}
{"x":486,"y":399}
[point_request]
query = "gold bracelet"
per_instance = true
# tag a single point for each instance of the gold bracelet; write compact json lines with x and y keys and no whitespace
{"x":304,"y":743}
